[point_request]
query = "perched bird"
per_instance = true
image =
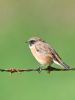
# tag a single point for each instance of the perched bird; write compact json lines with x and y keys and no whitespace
{"x":44,"y":53}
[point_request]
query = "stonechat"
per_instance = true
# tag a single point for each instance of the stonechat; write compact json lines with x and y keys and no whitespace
{"x":44,"y":53}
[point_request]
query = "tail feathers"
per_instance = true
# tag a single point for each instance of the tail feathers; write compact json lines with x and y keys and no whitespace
{"x":62,"y":64}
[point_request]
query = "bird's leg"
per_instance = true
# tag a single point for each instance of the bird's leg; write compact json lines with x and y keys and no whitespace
{"x":39,"y":69}
{"x":49,"y":69}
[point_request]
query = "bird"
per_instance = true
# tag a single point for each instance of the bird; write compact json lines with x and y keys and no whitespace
{"x":44,"y":53}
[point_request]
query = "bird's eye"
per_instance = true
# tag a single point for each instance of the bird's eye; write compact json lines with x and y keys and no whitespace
{"x":31,"y":42}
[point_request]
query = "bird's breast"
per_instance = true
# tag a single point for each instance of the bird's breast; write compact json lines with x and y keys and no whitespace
{"x":41,"y":57}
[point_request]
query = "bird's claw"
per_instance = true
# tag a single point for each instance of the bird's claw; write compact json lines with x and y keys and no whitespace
{"x":39,"y":70}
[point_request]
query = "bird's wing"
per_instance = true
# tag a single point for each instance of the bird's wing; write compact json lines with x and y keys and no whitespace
{"x":43,"y":48}
{"x":46,"y":49}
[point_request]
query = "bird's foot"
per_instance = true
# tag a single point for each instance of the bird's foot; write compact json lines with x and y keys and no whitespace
{"x":39,"y":70}
{"x":49,"y":69}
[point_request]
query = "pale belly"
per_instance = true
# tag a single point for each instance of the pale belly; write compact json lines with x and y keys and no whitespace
{"x":43,"y":59}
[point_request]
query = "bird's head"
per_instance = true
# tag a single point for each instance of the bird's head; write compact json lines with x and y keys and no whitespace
{"x":33,"y":40}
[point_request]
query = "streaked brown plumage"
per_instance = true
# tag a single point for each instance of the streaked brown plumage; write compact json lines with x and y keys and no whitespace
{"x":44,"y":53}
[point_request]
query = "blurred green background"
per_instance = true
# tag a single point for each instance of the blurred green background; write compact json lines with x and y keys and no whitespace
{"x":54,"y":21}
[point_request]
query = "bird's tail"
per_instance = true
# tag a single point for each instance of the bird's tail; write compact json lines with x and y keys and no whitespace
{"x":65,"y":66}
{"x":62,"y":64}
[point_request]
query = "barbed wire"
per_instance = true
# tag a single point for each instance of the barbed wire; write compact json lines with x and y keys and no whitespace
{"x":48,"y":69}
